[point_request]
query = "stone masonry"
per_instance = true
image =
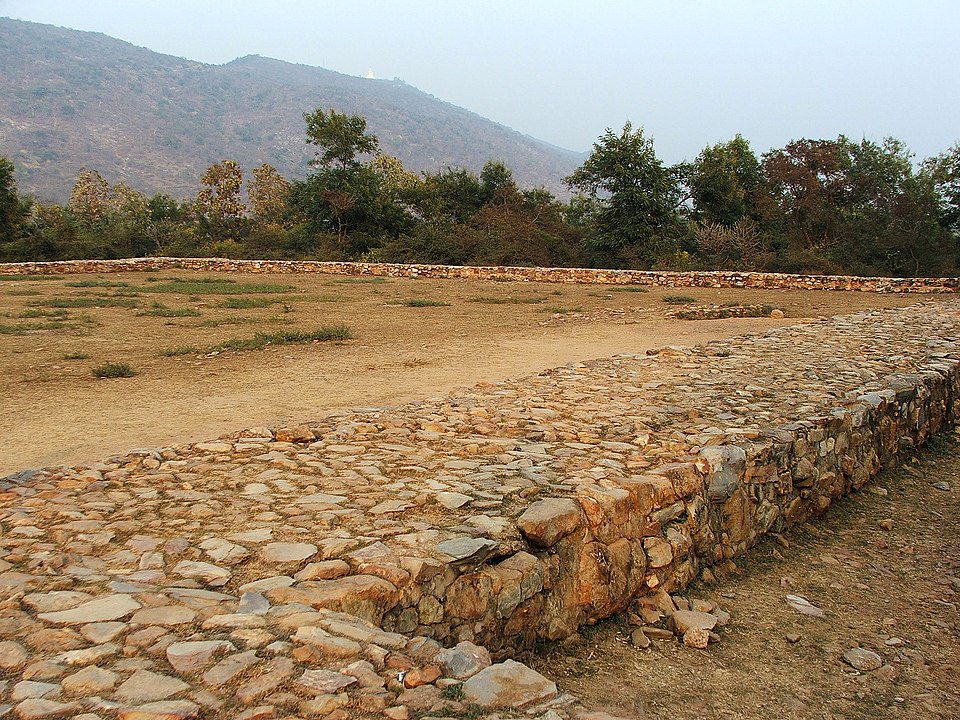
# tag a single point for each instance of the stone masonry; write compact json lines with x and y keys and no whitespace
{"x":378,"y":562}
{"x":653,"y":278}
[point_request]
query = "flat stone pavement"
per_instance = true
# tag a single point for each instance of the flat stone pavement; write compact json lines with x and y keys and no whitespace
{"x":318,"y":570}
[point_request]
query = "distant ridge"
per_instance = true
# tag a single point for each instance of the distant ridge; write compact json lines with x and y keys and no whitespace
{"x":72,"y":99}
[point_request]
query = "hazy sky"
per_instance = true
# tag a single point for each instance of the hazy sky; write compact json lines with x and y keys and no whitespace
{"x":689,"y":72}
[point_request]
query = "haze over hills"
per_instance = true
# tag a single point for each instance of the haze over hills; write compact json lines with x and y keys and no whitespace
{"x":71,"y":100}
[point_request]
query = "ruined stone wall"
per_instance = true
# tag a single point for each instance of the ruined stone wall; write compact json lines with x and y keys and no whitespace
{"x":511,"y":512}
{"x":711,"y":279}
{"x":600,"y":550}
{"x":590,"y":555}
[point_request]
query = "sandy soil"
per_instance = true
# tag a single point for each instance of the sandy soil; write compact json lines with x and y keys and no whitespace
{"x":54,"y":411}
{"x":894,"y":592}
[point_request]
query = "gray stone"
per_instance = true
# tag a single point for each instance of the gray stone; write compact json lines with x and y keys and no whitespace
{"x":862,"y":659}
{"x":508,"y":684}
{"x":287,"y":552}
{"x":324,"y":681}
{"x":467,"y":551}
{"x":727,"y":464}
{"x":253,"y":603}
{"x":146,"y":686}
{"x":804,"y":606}
{"x":463,"y":660}
{"x":187,"y":657}
{"x":36,"y":708}
{"x":33,"y":689}
{"x":210,"y":574}
{"x":112,"y":607}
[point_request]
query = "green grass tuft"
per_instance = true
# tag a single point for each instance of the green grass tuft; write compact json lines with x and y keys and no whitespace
{"x":37,"y":313}
{"x":85,"y":302}
{"x":419,"y":302}
{"x":678,"y":299}
{"x":76,"y":356}
{"x":113,"y":370}
{"x":169,"y":312}
{"x":179,"y":350}
{"x":361,"y":280}
{"x":215,"y":287}
{"x":507,"y":300}
{"x":285,"y":337}
{"x":18,"y":278}
{"x":247,"y":303}
{"x":97,"y":283}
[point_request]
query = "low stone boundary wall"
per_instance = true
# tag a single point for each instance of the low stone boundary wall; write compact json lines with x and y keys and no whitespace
{"x":710,"y":279}
{"x":504,"y":515}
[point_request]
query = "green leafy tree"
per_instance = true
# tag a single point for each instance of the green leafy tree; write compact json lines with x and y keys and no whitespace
{"x":496,"y":182}
{"x":724,"y":182}
{"x":163,"y":207}
{"x":12,"y":209}
{"x":944,"y":171}
{"x":451,"y":195}
{"x":636,"y":196}
{"x":837,"y":205}
{"x":345,"y":195}
{"x":339,"y":137}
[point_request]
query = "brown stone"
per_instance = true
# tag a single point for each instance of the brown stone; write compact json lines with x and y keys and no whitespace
{"x":545,"y":522}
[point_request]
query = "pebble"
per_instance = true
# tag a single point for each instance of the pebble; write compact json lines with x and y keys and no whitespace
{"x":804,"y":606}
{"x":862,"y":659}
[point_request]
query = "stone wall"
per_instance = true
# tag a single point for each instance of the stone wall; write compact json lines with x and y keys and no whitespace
{"x":333,"y":559}
{"x":711,"y":279}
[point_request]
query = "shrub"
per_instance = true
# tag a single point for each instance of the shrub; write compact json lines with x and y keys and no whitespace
{"x":286,"y":337}
{"x":113,"y":370}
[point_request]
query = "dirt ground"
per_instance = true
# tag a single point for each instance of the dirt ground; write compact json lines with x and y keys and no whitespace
{"x":894,"y":592}
{"x":55,"y":411}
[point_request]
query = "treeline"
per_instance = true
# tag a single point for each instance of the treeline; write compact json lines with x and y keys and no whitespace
{"x":821,"y":206}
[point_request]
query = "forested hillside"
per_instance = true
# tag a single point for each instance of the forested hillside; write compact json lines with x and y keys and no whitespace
{"x":71,"y":100}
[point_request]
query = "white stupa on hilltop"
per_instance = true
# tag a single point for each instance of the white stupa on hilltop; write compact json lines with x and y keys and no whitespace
{"x":370,"y":75}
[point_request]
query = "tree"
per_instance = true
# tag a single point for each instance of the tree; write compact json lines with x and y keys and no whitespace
{"x":163,"y":207}
{"x":837,"y":205}
{"x":944,"y":171}
{"x":12,"y":208}
{"x":268,"y":192}
{"x":496,"y":182}
{"x":340,"y":137}
{"x":90,"y":198}
{"x":724,"y":182}
{"x":128,"y":204}
{"x":637,"y":196}
{"x":218,"y":202}
{"x":452,"y":195}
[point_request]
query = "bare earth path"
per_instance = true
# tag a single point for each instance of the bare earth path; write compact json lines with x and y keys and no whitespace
{"x":54,"y":412}
{"x":894,"y":592}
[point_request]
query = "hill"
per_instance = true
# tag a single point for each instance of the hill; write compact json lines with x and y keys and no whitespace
{"x":71,"y":99}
